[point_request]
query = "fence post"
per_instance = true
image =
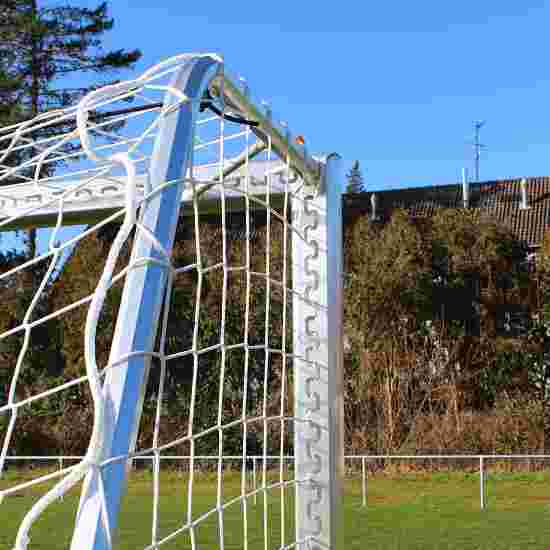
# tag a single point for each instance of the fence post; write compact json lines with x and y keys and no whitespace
{"x":254,"y":483}
{"x":481,"y":483}
{"x":364,"y":473}
{"x":60,"y":463}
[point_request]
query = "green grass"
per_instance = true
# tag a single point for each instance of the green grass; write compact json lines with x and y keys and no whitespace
{"x":436,"y":511}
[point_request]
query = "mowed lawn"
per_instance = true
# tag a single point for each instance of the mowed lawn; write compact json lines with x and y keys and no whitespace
{"x":423,"y":512}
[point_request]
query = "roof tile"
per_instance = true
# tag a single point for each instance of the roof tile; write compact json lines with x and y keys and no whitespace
{"x":499,"y":199}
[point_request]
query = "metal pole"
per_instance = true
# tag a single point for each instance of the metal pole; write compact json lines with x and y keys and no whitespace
{"x":364,"y":471}
{"x":465,"y":188}
{"x":317,"y":348}
{"x":139,"y":312}
{"x":60,"y":461}
{"x":481,"y":483}
{"x":477,"y":146}
{"x":254,"y":480}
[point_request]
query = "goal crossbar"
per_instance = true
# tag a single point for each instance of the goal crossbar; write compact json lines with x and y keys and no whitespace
{"x":28,"y":205}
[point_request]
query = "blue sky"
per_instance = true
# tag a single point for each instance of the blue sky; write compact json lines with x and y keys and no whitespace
{"x":395,"y":84}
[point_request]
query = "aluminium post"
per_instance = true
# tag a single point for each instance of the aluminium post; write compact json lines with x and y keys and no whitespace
{"x":364,"y":480}
{"x":140,"y":308}
{"x":481,"y":483}
{"x":317,"y":267}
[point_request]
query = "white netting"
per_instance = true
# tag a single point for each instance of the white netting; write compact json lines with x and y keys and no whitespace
{"x":221,"y":365}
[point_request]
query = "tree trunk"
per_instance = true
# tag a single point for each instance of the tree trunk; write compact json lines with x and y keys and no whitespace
{"x":35,"y":98}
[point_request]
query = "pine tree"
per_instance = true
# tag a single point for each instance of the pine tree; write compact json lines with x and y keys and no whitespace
{"x":43,"y":49}
{"x":355,"y":179}
{"x":8,"y":107}
{"x":8,"y":82}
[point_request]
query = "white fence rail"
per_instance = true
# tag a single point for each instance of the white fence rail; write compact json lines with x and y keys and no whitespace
{"x":351,"y":460}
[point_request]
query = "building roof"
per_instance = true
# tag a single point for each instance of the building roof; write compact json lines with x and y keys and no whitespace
{"x":499,"y":199}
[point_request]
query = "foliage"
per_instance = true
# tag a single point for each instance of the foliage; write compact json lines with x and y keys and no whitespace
{"x":422,"y":309}
{"x":44,"y":47}
{"x":416,"y":372}
{"x":355,"y":183}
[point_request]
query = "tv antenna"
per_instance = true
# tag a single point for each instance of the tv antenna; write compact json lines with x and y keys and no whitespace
{"x":478,"y":124}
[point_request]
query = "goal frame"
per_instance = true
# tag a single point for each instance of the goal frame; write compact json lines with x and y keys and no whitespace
{"x":318,"y":392}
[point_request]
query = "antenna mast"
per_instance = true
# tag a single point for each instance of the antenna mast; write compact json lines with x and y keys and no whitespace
{"x":477,"y":146}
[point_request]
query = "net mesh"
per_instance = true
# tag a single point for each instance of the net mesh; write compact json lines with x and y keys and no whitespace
{"x":220,"y":372}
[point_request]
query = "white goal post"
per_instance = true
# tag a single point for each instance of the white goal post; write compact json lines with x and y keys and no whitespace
{"x":249,"y":322}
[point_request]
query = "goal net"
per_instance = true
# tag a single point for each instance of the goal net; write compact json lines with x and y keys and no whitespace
{"x":170,"y":288}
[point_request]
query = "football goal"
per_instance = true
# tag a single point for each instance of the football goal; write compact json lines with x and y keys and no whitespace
{"x":171,"y":284}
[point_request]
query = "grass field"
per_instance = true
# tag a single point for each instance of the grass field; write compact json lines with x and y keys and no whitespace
{"x":436,"y":511}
